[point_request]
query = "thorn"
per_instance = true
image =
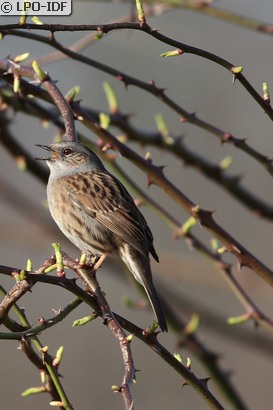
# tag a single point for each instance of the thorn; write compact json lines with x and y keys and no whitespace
{"x":73,"y":280}
{"x":150,"y":181}
{"x":205,"y":381}
{"x":236,"y":249}
{"x":241,"y":265}
{"x":226,"y":137}
{"x":158,"y":90}
{"x":190,"y":118}
{"x":161,"y":168}
{"x":51,"y":36}
{"x":121,"y":78}
{"x":154,"y":30}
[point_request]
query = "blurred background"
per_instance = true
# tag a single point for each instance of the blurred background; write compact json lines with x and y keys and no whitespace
{"x":92,"y":362}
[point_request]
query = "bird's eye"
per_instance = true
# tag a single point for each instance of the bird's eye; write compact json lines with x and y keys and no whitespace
{"x":67,"y":151}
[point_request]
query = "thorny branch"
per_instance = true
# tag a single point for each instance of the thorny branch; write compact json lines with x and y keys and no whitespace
{"x":148,"y":337}
{"x":92,"y":287}
{"x":224,"y":137}
{"x":46,"y":364}
{"x":156,"y":176}
{"x":172,"y":144}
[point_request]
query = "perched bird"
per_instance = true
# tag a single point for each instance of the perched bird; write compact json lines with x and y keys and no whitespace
{"x":98,"y":215}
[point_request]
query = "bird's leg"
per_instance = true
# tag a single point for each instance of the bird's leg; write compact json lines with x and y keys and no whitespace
{"x":89,"y":260}
{"x":98,"y":262}
{"x":92,"y":263}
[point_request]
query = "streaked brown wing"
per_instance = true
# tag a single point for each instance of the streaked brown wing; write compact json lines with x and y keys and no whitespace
{"x":106,"y":200}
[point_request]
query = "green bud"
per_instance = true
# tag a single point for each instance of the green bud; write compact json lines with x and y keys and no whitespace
{"x":237,"y":70}
{"x":172,"y":53}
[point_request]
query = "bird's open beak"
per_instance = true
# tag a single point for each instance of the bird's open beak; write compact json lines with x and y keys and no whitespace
{"x":47,"y":148}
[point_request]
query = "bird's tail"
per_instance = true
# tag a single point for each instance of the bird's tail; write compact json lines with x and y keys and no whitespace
{"x":156,"y":305}
{"x":140,"y":267}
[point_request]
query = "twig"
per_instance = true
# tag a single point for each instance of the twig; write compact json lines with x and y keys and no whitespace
{"x":92,"y":287}
{"x":204,"y":7}
{"x":149,"y":339}
{"x":156,"y":176}
{"x":106,"y":28}
{"x":8,"y":66}
{"x":44,"y":364}
{"x":252,"y":311}
{"x":91,"y":38}
{"x":231,"y":183}
{"x":59,"y":100}
{"x":176,"y":146}
{"x":204,"y":356}
{"x":204,"y":217}
{"x":225,"y":137}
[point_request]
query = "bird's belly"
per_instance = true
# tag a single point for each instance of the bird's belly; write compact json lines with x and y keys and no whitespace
{"x":83,"y":230}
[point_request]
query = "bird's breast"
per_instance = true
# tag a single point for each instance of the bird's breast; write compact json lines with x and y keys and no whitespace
{"x":79,"y":227}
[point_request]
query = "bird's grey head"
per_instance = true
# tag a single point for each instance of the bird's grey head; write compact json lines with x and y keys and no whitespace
{"x":70,"y":158}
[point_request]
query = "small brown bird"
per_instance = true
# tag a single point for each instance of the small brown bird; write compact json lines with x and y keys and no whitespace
{"x":98,"y":215}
